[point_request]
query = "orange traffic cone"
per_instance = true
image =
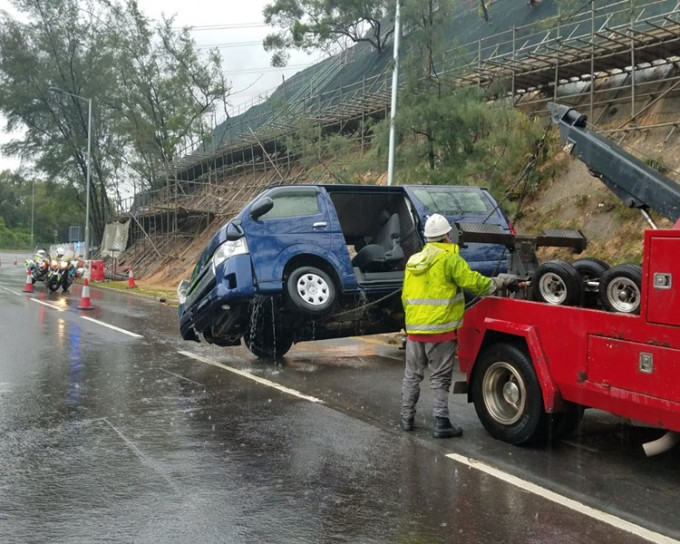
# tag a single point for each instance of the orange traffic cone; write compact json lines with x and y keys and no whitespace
{"x":28,"y":288}
{"x":85,"y":302}
{"x":131,"y":280}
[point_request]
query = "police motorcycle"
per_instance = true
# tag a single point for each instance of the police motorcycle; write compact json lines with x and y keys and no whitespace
{"x":62,"y":272}
{"x":39,"y":266}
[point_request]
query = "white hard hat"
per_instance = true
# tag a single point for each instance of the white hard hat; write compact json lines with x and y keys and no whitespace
{"x":60,"y":251}
{"x":436,"y":226}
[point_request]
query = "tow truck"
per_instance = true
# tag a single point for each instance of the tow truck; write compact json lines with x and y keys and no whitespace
{"x":533,"y":364}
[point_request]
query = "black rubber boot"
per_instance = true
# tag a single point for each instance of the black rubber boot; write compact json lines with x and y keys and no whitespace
{"x":406,"y":423}
{"x":444,"y":429}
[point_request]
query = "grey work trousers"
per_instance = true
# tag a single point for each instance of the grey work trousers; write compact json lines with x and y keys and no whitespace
{"x":439,"y":357}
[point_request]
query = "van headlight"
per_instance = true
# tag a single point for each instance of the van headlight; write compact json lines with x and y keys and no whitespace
{"x":229,"y":249}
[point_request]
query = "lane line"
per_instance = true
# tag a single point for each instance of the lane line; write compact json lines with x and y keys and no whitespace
{"x":250,"y":376}
{"x":10,"y":291}
{"x":599,"y":515}
{"x":113,"y":327}
{"x":48,"y":304}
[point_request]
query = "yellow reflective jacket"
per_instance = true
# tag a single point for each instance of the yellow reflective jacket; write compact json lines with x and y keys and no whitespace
{"x":433,"y":289}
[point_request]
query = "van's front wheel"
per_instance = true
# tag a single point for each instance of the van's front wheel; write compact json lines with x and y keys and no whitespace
{"x":311,"y":290}
{"x":266,"y":336}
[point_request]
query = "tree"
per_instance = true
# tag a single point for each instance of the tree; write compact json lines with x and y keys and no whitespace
{"x":151,"y":93}
{"x":325,"y":24}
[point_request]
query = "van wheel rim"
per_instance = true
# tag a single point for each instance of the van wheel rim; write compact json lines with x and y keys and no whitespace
{"x":313,"y":289}
{"x":624,"y":295}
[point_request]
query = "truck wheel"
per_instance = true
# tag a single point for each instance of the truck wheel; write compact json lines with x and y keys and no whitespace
{"x":620,"y":288}
{"x":590,"y":269}
{"x":311,"y":290}
{"x":557,"y":282}
{"x":266,"y":337}
{"x":507,"y":396}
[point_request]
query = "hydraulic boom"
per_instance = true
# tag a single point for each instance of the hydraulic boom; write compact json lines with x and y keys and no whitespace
{"x":635,"y":183}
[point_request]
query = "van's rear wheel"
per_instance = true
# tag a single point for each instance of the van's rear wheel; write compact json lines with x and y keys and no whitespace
{"x":311,"y":290}
{"x":507,"y":396}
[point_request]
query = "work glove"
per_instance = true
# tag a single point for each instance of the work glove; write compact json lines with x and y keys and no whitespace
{"x":505,"y":281}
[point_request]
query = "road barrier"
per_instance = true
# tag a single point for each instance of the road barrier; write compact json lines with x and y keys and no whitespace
{"x":97,"y":271}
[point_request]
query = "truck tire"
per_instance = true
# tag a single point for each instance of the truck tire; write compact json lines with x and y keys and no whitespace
{"x":507,"y":396}
{"x":590,"y":270}
{"x":266,"y":336}
{"x":311,"y":290}
{"x":620,"y":288}
{"x":557,"y":282}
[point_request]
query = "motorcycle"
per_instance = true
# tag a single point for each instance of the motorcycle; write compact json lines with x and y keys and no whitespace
{"x":39,"y":269}
{"x":61,"y":274}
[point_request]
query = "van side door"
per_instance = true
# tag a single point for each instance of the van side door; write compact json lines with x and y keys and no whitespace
{"x":297,"y":223}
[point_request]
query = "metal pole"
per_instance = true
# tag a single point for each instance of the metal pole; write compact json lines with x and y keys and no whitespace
{"x":395,"y":85}
{"x":32,"y":210}
{"x":86,"y":254}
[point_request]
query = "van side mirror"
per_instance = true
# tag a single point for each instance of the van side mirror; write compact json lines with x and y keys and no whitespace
{"x":261,"y":207}
{"x":234,"y":230}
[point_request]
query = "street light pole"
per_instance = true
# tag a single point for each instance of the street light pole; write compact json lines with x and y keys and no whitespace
{"x":86,"y":253}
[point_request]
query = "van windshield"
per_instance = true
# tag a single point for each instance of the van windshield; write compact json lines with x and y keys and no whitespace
{"x":457,"y":201}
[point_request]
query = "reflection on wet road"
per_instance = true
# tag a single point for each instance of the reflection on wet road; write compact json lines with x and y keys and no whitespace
{"x":110,"y":437}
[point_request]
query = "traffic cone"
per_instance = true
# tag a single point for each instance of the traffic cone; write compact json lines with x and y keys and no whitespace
{"x":15,"y":261}
{"x":85,"y":302}
{"x":131,"y":279}
{"x":28,"y":288}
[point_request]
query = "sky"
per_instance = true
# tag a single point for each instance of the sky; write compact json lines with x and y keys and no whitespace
{"x":238,"y":31}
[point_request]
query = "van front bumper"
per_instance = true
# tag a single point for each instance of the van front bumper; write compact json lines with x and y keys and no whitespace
{"x":225,"y":293}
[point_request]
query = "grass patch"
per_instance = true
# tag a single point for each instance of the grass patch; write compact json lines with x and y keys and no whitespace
{"x":159,"y":293}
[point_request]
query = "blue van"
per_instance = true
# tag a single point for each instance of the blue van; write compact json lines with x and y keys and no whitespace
{"x":309,"y":262}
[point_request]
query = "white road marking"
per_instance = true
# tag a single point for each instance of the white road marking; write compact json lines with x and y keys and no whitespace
{"x":257,"y":379}
{"x":54,"y":307}
{"x":579,"y":507}
{"x":10,"y":291}
{"x":133,"y":334}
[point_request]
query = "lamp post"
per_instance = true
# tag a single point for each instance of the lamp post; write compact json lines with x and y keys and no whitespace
{"x":86,"y":254}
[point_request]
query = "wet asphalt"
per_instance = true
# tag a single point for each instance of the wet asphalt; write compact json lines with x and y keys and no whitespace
{"x":107,"y":436}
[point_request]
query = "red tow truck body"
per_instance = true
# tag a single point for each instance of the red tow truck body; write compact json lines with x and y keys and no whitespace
{"x":533,"y":367}
{"x":626,"y":364}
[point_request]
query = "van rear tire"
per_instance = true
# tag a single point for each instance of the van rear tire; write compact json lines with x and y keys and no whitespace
{"x":311,"y":290}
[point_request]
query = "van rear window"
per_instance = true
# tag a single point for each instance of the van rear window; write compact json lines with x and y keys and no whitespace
{"x":453,"y":201}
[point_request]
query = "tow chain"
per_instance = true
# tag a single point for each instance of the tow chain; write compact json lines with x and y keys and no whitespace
{"x":364,"y":306}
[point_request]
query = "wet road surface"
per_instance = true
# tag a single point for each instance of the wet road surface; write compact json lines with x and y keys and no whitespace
{"x":107,"y":436}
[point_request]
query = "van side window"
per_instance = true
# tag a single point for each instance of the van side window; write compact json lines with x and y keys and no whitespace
{"x":292,"y":205}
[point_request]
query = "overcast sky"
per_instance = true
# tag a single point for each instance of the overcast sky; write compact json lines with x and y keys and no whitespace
{"x":237,"y":27}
